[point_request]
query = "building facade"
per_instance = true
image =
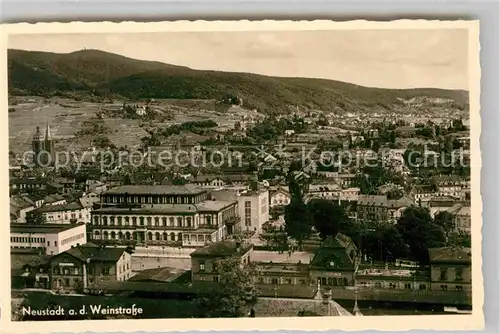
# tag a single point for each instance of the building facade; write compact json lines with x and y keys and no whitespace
{"x":53,"y":238}
{"x":450,"y":269}
{"x":253,"y":209}
{"x":162,"y":216}
{"x":70,"y":213}
{"x":81,"y":267}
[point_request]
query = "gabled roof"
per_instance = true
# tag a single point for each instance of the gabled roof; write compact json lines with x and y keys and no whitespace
{"x":222,"y":249}
{"x":450,"y":254}
{"x":333,"y":253}
{"x":93,"y":253}
{"x":372,"y":200}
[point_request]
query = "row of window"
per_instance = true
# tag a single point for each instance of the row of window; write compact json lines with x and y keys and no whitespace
{"x":148,"y":221}
{"x":73,"y":215}
{"x":27,"y":240}
{"x":153,"y":199}
{"x":72,"y":238}
{"x":153,"y":236}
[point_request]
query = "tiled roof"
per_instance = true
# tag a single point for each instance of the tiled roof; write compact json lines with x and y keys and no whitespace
{"x":60,"y":207}
{"x":156,"y":190}
{"x":450,"y":254}
{"x":92,"y":252}
{"x":157,"y":275}
{"x":372,"y":200}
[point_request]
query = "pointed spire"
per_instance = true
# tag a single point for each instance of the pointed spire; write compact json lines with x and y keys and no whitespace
{"x":37,"y":136}
{"x":48,"y":135}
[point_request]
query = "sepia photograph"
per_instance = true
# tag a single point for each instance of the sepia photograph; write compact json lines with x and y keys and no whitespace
{"x":331,"y":171}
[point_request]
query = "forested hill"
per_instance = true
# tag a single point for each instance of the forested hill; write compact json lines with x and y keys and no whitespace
{"x":106,"y":74}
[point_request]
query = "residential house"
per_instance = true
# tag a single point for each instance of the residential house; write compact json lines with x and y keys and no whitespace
{"x":19,"y":207}
{"x":451,"y":268}
{"x":70,"y":213}
{"x":253,"y":209}
{"x":81,"y":267}
{"x":204,"y":260}
{"x":279,"y":197}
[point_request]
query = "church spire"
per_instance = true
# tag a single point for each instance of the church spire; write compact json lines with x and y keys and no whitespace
{"x":48,"y":135}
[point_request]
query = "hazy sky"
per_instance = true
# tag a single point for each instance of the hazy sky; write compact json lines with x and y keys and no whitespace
{"x":376,"y":58}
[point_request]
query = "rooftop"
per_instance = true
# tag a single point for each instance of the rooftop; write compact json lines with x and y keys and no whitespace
{"x":43,"y":228}
{"x":188,"y":189}
{"x":223,"y":249}
{"x":274,"y":257}
{"x":158,"y":275}
{"x":450,"y":254}
{"x":60,"y":207}
{"x":92,"y":252}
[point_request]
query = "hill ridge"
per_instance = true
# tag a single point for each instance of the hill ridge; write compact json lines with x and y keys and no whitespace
{"x":104,"y":73}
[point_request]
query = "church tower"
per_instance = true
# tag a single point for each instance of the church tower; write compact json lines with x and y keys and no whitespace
{"x":48,"y":145}
{"x":37,"y":145}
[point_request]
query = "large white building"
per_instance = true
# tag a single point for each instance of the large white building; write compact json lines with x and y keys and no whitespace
{"x":162,"y":216}
{"x":53,"y":238}
{"x":254,"y":209}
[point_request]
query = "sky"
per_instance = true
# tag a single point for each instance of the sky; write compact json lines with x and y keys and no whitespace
{"x":374,"y":58}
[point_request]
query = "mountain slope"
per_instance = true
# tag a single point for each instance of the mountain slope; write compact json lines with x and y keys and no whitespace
{"x":43,"y":73}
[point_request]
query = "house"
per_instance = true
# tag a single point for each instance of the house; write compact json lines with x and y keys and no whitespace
{"x":70,"y":213}
{"x":52,"y":238}
{"x":279,"y":197}
{"x":203,"y":260}
{"x":421,"y":193}
{"x":68,"y":184}
{"x":209,"y":180}
{"x":54,"y":199}
{"x":19,"y":207}
{"x":461,"y":217}
{"x":81,"y":267}
{"x":451,"y":268}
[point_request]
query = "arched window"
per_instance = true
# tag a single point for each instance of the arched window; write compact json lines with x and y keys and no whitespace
{"x":105,"y":235}
{"x":179,"y":236}
{"x":157,"y":236}
{"x":165,"y":236}
{"x":188,"y":221}
{"x":111,"y":221}
{"x":127,"y":221}
{"x":134,"y":221}
{"x":171,"y":219}
{"x":150,"y":235}
{"x":149,"y":220}
{"x":120,"y":235}
{"x":127,"y":235}
{"x":179,"y":221}
{"x":119,"y":221}
{"x":330,"y":281}
{"x":164,"y":221}
{"x":113,"y":235}
{"x":105,"y":221}
{"x":157,"y":221}
{"x":172,"y":236}
{"x":209,"y":220}
{"x":96,"y":235}
{"x":141,"y":221}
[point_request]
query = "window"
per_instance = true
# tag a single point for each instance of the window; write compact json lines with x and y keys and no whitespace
{"x":392,"y":286}
{"x":157,"y":221}
{"x":378,"y":285}
{"x":444,"y":287}
{"x":408,"y":286}
{"x":288,"y":281}
{"x":179,"y":221}
{"x":216,"y":279}
{"x":149,"y":220}
{"x":443,"y":274}
{"x":459,"y":274}
{"x":134,"y":221}
{"x":164,"y":221}
{"x":421,"y":286}
{"x":105,"y":271}
{"x":458,"y":288}
{"x":274,"y":281}
{"x":202,"y":266}
{"x":55,"y":243}
{"x":119,"y":220}
{"x":111,"y":220}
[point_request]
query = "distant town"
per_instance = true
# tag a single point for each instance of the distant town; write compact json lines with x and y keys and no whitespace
{"x":204,"y":208}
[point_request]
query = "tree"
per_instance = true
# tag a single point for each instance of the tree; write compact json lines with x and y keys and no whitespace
{"x":35,"y":217}
{"x":234,"y":290}
{"x":393,"y":137}
{"x":420,"y":232}
{"x":327,"y":216}
{"x":298,"y":222}
{"x":445,"y":220}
